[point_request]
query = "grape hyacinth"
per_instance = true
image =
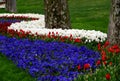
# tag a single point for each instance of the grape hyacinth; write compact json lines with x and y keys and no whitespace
{"x":48,"y":61}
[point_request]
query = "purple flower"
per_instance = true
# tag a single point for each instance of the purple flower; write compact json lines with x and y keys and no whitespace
{"x":48,"y":61}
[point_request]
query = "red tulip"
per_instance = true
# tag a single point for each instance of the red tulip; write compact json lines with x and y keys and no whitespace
{"x":110,"y":63}
{"x":53,"y":33}
{"x":49,"y":36}
{"x":36,"y":33}
{"x":115,"y":47}
{"x":106,"y":44}
{"x":62,"y":39}
{"x":22,"y":31}
{"x":65,"y":37}
{"x":117,"y":50}
{"x":111,"y":50}
{"x":104,"y":57}
{"x":78,"y":67}
{"x":49,"y":33}
{"x":70,"y":35}
{"x":98,"y":62}
{"x":56,"y":32}
{"x":77,"y":40}
{"x":99,"y":46}
{"x":104,"y":62}
{"x":86,"y":66}
{"x":103,"y":52}
{"x":108,"y":76}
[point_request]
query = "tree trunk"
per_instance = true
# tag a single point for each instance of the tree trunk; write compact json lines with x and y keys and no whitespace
{"x":11,"y":5}
{"x":6,"y":4}
{"x":57,"y":14}
{"x":114,"y":25}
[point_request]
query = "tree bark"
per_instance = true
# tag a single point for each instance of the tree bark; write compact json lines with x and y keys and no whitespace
{"x":6,"y":4}
{"x":11,"y":5}
{"x":57,"y":14}
{"x":114,"y":25}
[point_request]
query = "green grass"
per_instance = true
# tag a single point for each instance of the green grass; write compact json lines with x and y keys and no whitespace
{"x":90,"y":14}
{"x":9,"y":72}
{"x":85,"y":14}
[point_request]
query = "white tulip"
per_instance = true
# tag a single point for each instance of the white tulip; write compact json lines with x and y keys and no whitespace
{"x":39,"y":27}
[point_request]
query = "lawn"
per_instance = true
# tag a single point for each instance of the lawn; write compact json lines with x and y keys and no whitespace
{"x":9,"y":72}
{"x":85,"y":14}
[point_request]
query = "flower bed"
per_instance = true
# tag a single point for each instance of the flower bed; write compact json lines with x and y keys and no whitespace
{"x":39,"y":27}
{"x":12,"y":19}
{"x":6,"y":21}
{"x":46,"y":60}
{"x":53,"y":61}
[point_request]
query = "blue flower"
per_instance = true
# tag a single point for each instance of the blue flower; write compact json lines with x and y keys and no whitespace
{"x":48,"y":61}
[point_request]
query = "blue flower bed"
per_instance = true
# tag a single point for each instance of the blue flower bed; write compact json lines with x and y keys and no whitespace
{"x":48,"y":61}
{"x":13,"y":19}
{"x":9,"y":20}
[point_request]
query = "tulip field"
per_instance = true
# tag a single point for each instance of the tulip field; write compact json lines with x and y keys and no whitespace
{"x":31,"y":52}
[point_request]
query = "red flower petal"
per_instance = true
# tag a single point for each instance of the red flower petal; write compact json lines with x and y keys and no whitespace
{"x":77,"y":40}
{"x":110,"y":63}
{"x":115,"y":47}
{"x":108,"y":76}
{"x":111,"y":50}
{"x":104,"y":62}
{"x":99,"y":46}
{"x":103,"y":52}
{"x":78,"y":67}
{"x":104,"y":58}
{"x":117,"y":50}
{"x":98,"y":62}
{"x":106,"y":44}
{"x":86,"y":66}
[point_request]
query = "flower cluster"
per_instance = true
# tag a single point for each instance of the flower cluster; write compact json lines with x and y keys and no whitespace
{"x":39,"y":27}
{"x":49,"y":61}
{"x":4,"y":27}
{"x":6,"y":21}
{"x":108,"y":53}
{"x":109,"y":56}
{"x":41,"y":30}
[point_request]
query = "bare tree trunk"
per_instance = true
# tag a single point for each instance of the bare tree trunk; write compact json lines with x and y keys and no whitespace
{"x":11,"y":5}
{"x":6,"y":4}
{"x":114,"y":25}
{"x":57,"y":14}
